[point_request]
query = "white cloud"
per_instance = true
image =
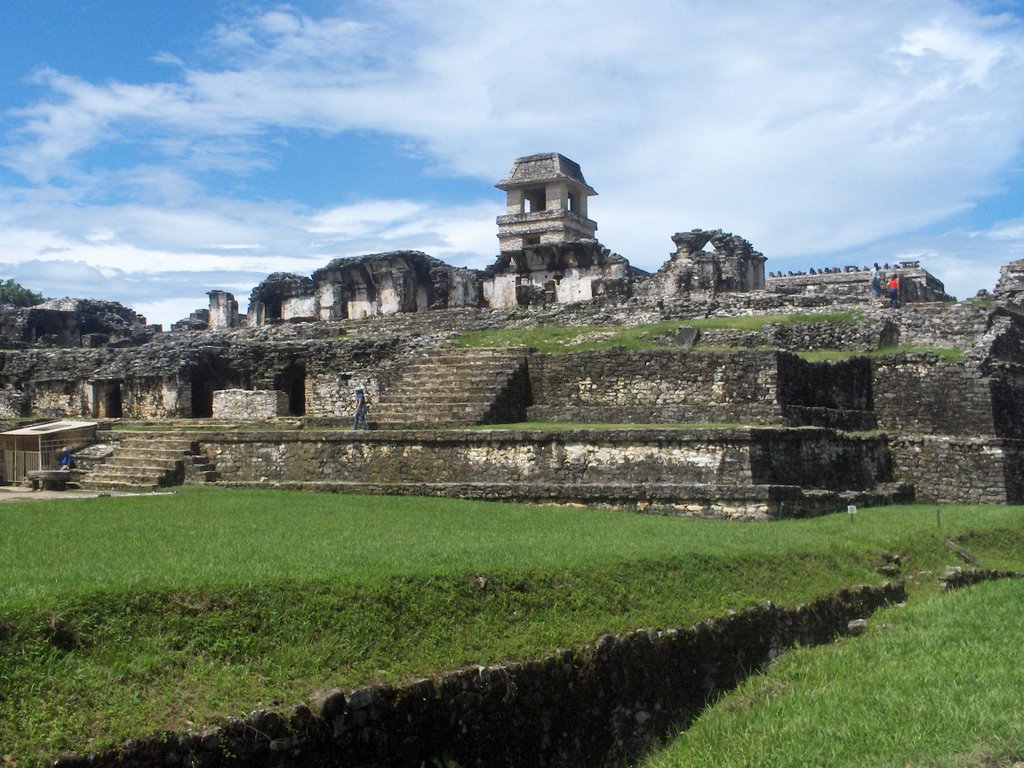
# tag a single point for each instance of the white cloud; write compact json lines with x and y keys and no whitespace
{"x":809,"y":128}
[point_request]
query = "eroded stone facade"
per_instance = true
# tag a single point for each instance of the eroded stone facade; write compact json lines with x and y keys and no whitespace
{"x":709,"y":262}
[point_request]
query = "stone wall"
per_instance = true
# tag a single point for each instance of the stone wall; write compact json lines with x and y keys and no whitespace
{"x":57,"y":398}
{"x":255,"y":405}
{"x":330,"y":394}
{"x":223,"y":312}
{"x":13,"y":403}
{"x":365,"y":286}
{"x":664,"y":386}
{"x":1010,"y":286}
{"x":655,"y":386}
{"x":837,"y":395}
{"x":720,"y":472}
{"x":920,"y":394}
{"x":600,"y":706}
{"x":817,"y":458}
{"x":945,"y":326}
{"x":959,"y":470}
{"x":73,"y":323}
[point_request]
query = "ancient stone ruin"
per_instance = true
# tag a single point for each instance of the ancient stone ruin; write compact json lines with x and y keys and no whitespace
{"x":709,"y":263}
{"x":738,"y":420}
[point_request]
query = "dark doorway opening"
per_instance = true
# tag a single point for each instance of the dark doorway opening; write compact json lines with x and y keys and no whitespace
{"x":107,"y":402}
{"x":272,"y":309}
{"x":205,"y":377}
{"x":292,"y":382}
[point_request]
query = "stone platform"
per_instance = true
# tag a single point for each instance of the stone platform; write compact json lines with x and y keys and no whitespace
{"x":728,"y":472}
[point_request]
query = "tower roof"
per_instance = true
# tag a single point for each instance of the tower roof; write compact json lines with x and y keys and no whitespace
{"x":545,"y":167}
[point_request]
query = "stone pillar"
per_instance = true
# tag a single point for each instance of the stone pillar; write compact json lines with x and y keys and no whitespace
{"x":223,"y":310}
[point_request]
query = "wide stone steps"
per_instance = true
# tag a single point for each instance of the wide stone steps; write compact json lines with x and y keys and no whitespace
{"x":149,"y":461}
{"x":451,"y":389}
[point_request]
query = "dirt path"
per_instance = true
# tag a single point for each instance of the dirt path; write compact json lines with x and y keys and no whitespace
{"x":20,"y":493}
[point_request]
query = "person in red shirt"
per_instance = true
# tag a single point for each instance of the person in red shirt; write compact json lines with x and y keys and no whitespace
{"x":894,"y":291}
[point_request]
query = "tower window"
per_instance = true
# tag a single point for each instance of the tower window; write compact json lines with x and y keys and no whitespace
{"x":534,"y":200}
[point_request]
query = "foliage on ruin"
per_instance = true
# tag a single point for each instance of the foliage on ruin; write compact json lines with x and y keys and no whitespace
{"x":928,"y":685}
{"x":563,"y":426}
{"x":576,"y":338}
{"x":173,"y":611}
{"x":16,"y":295}
{"x":946,"y":355}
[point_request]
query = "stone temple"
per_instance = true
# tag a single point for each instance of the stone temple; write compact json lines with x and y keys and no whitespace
{"x":748,"y":394}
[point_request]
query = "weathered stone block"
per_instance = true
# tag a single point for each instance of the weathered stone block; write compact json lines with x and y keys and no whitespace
{"x":249,"y":404}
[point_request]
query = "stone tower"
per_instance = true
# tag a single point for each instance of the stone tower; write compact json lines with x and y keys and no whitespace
{"x":547,"y":203}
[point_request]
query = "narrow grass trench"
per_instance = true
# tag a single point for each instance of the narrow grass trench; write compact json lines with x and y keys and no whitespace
{"x":605,"y":704}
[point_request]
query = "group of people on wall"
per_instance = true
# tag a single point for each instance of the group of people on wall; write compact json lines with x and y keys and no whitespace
{"x":892,"y":285}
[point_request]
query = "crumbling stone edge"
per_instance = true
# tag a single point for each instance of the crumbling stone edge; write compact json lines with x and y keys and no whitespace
{"x":957,"y":578}
{"x":604,"y":704}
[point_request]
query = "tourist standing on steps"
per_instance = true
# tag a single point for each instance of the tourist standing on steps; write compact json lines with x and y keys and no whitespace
{"x":876,"y":281}
{"x":362,"y":406}
{"x":894,"y":291}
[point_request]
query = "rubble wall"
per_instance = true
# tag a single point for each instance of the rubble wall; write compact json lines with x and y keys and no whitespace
{"x":604,"y":705}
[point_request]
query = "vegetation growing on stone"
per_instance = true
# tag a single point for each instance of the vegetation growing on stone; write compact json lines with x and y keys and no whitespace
{"x":561,"y":338}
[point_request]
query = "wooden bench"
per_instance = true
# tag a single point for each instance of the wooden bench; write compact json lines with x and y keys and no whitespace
{"x":51,"y":479}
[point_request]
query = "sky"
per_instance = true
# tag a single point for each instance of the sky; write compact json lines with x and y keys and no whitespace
{"x":151,"y":151}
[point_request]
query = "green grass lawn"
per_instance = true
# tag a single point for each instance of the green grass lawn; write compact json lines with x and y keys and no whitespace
{"x":937,"y":682}
{"x":124,"y":616}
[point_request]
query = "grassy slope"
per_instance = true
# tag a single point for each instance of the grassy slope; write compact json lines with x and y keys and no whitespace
{"x":553,"y":339}
{"x":123,"y":616}
{"x":935,"y":683}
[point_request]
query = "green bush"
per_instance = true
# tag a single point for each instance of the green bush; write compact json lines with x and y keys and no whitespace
{"x":15,"y":295}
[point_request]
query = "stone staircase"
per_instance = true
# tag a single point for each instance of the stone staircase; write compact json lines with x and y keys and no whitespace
{"x":456,"y":388}
{"x":149,"y":460}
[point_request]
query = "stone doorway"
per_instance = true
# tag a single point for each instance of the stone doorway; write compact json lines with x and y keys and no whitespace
{"x":292,"y":382}
{"x":106,"y":400}
{"x":205,"y":377}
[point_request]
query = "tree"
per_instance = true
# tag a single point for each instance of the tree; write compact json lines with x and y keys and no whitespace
{"x":17,"y":295}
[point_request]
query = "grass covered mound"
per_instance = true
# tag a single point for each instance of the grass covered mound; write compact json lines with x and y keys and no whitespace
{"x":934,"y":683}
{"x":120,"y":617}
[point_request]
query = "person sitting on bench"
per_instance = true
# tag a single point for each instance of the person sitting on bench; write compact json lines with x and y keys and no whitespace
{"x":66,"y":460}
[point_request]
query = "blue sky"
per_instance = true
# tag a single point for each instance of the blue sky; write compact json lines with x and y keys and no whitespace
{"x":153,"y":151}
